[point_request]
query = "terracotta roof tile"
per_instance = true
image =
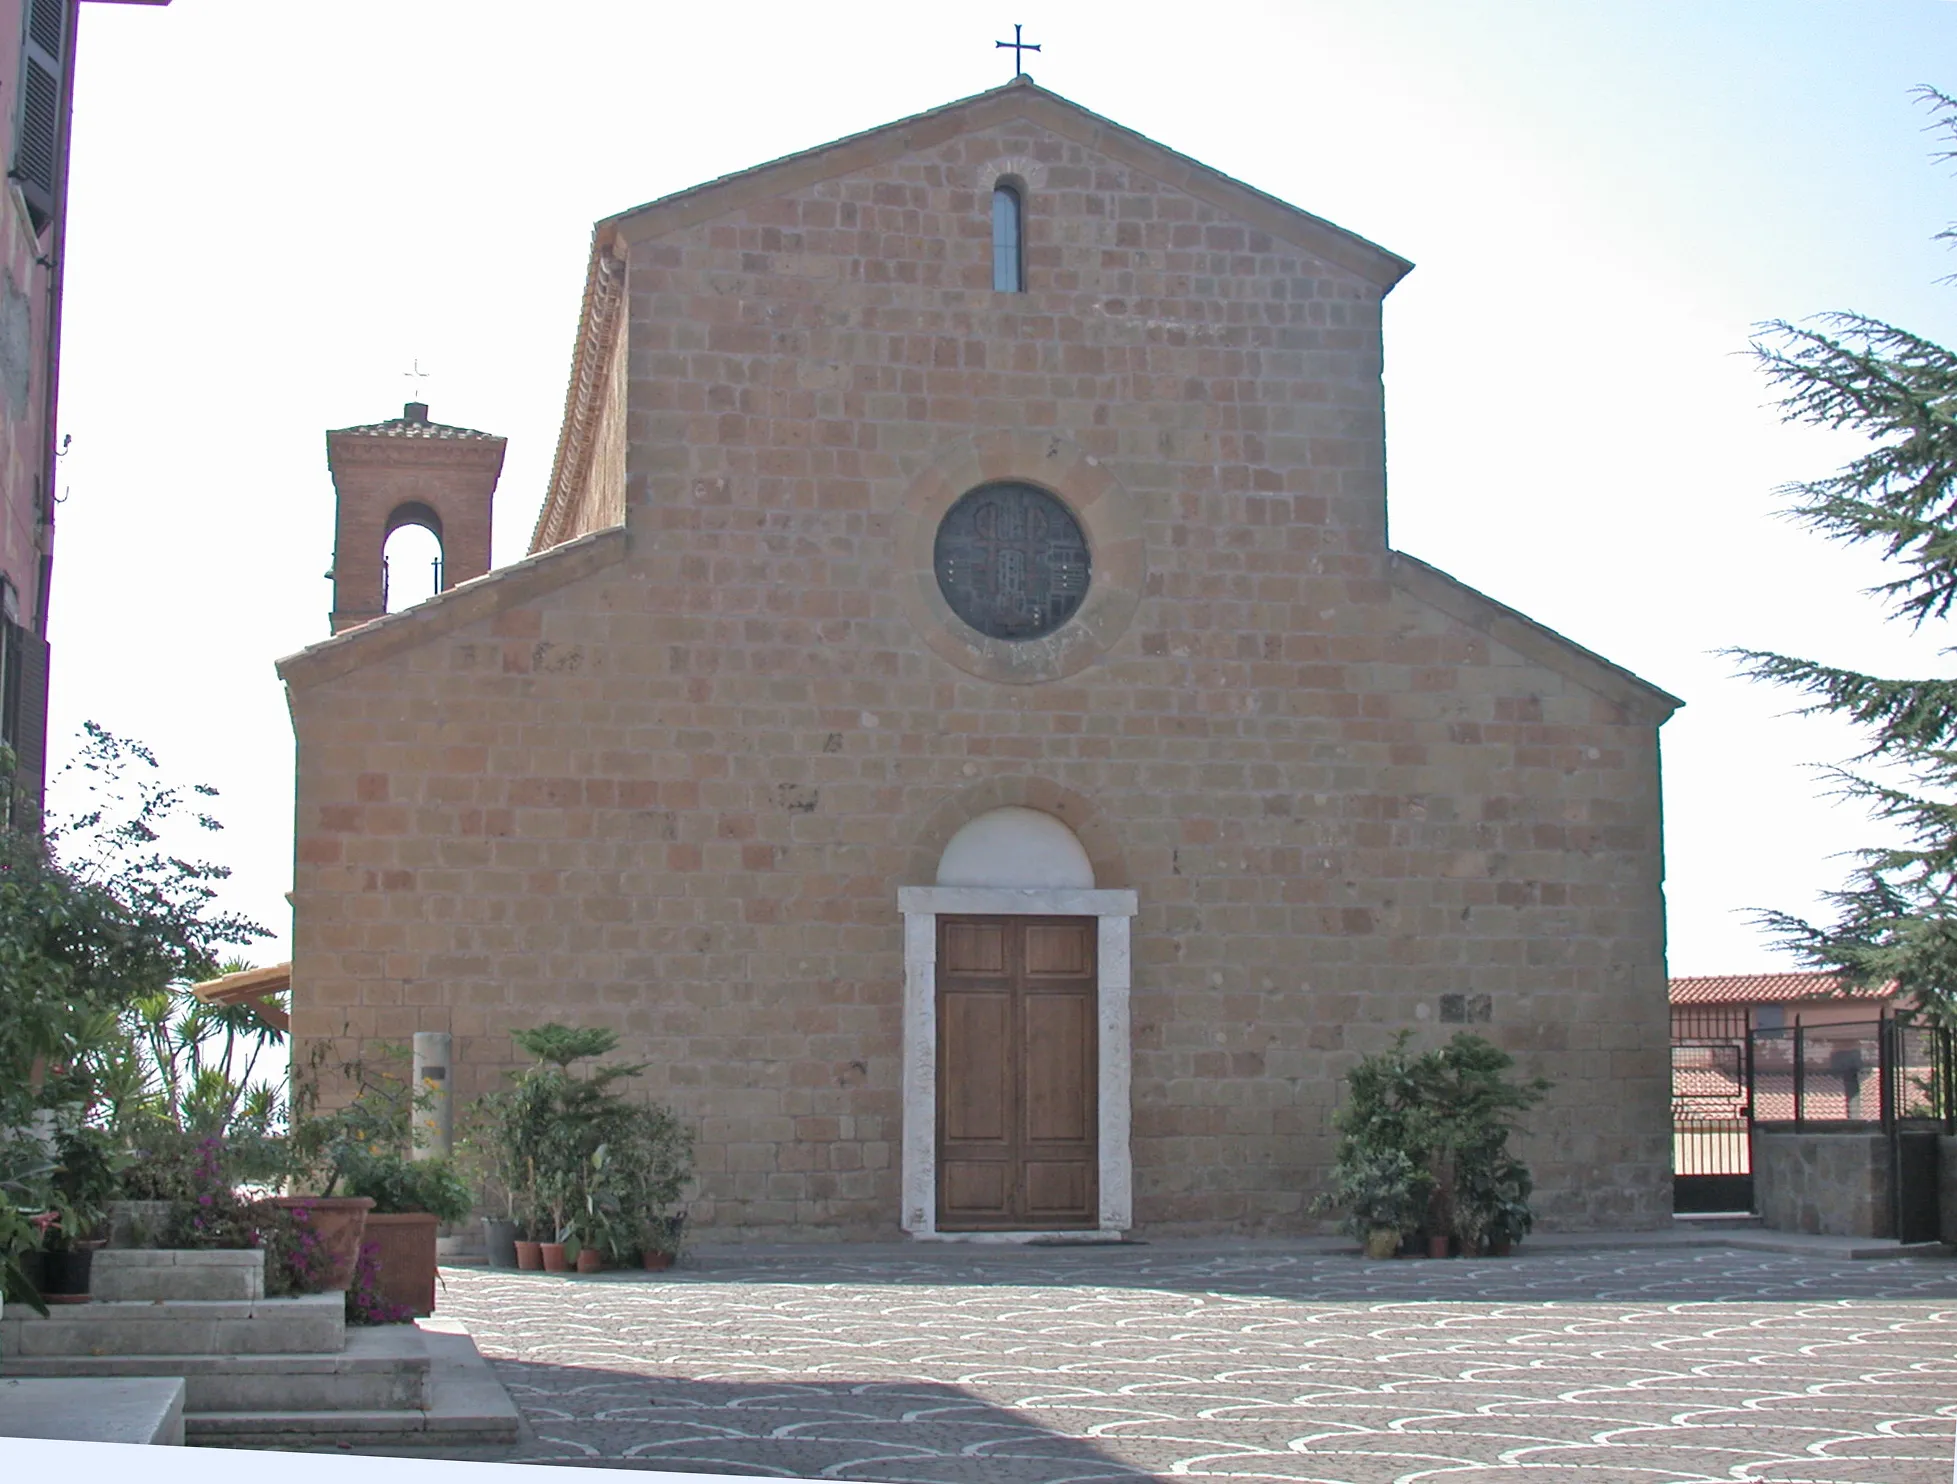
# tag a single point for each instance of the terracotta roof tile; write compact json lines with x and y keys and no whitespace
{"x":1768,"y":989}
{"x":413,"y":423}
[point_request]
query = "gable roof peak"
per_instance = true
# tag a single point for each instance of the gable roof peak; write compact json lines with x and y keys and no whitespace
{"x":1021,"y":97}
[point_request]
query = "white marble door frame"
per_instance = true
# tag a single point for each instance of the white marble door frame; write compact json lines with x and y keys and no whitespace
{"x":922,"y":906}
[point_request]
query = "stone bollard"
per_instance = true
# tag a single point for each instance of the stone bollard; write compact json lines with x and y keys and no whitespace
{"x":434,"y":1116}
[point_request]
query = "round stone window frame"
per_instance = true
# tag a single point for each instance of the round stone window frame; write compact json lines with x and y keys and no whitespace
{"x":1108,"y":516}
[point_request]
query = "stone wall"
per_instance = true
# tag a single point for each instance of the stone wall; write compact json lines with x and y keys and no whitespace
{"x":670,"y":778}
{"x":1828,"y":1184}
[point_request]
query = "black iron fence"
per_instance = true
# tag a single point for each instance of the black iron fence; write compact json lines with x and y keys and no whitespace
{"x":1869,"y":1073}
{"x":1882,"y":1075}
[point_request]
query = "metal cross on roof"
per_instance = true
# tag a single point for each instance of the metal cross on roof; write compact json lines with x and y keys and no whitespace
{"x":416,"y":377}
{"x":1017,"y":46}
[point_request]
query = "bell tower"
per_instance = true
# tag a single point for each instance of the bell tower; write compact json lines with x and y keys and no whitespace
{"x":407,"y":471}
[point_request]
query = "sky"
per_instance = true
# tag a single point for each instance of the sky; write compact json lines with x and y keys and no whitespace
{"x":278,"y":210}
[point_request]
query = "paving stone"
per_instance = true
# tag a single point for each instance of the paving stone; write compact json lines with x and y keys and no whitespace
{"x":1663,"y":1365}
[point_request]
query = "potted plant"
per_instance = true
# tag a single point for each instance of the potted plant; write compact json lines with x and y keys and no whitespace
{"x":325,"y":1148}
{"x":1424,"y":1144}
{"x":1492,"y":1205}
{"x":411,"y":1198}
{"x":661,"y":1241}
{"x":25,"y":1172}
{"x":1382,"y":1192}
{"x":482,"y":1158}
{"x":84,"y":1182}
{"x":549,"y":1125}
{"x":599,"y":1231}
{"x":593,"y":1165}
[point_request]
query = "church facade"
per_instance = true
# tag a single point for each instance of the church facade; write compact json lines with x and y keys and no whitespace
{"x":962,"y":723}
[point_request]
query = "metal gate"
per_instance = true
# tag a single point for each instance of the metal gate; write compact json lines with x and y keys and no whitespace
{"x":1866,"y":1075}
{"x":1712,"y":1123}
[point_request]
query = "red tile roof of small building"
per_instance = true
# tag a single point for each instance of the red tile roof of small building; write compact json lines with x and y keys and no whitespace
{"x":414,"y":424}
{"x":1769,"y":989}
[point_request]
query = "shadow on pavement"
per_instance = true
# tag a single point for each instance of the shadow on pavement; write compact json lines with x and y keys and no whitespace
{"x":1535,"y":1274}
{"x":900,"y":1431}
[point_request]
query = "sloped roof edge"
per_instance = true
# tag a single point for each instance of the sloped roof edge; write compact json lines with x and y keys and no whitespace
{"x":598,"y":326}
{"x":1524,"y":635}
{"x":482,"y":597}
{"x":250,"y":987}
{"x":1770,"y":989}
{"x":1023,"y":96}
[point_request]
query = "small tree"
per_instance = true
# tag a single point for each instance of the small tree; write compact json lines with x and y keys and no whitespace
{"x":585,"y":1163}
{"x":99,"y":917}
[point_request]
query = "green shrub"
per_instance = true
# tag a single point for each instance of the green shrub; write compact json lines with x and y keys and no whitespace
{"x":1423,"y":1139}
{"x":400,"y":1185}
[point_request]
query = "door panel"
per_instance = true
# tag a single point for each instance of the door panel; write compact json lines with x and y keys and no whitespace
{"x":973,"y":948}
{"x":975,"y":1191}
{"x":1059,"y":1033}
{"x":1055,"y":1192}
{"x":978,"y":1092}
{"x":1017,"y":1086}
{"x":1059,"y":948}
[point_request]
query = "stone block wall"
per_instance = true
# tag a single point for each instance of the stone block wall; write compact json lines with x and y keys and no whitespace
{"x":670,"y":777}
{"x":1826,"y":1184}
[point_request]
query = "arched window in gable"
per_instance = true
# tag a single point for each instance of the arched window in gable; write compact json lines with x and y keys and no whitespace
{"x":1008,"y":239}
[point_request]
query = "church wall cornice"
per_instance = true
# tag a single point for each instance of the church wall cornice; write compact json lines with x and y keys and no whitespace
{"x":400,"y":452}
{"x":600,"y":322}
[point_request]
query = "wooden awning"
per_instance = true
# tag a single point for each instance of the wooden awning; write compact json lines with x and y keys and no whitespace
{"x":250,"y":987}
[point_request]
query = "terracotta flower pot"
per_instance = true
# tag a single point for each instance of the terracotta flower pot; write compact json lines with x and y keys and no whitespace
{"x":1501,"y":1247}
{"x":405,"y":1246}
{"x":554,"y":1257}
{"x":339,"y":1221}
{"x":590,"y":1260}
{"x":529,"y":1256}
{"x":656,"y":1262}
{"x":1382,"y":1242}
{"x":1437,"y":1246}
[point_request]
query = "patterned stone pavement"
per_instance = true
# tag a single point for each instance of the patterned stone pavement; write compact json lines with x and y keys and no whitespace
{"x":1050,"y":1366}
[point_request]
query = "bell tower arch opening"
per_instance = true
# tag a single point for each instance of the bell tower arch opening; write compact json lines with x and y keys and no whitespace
{"x":411,"y":557}
{"x":413,"y":505}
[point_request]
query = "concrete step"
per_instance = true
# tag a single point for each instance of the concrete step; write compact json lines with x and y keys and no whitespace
{"x":383,"y":1369}
{"x":467,"y":1407}
{"x":119,"y":1275}
{"x":313,"y":1324}
{"x":1707,"y":1221}
{"x":135,"y":1409}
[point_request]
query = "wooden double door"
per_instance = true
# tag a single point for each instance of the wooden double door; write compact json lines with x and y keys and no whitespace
{"x":1018,"y":1074}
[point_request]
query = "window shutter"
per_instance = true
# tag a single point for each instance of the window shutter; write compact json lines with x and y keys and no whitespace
{"x":37,"y":123}
{"x":24,"y":713}
{"x":31,"y":725}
